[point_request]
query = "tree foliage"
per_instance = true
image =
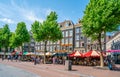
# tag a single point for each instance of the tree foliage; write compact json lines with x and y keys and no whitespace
{"x":49,"y":30}
{"x":5,"y":36}
{"x":1,"y":37}
{"x":21,"y":33}
{"x":13,"y":40}
{"x":101,"y":16}
{"x":35,"y":30}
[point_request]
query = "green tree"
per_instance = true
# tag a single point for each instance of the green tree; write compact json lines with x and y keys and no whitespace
{"x":13,"y":40}
{"x":5,"y":37}
{"x":1,"y":38}
{"x":21,"y":35}
{"x":47,"y":31}
{"x":101,"y":16}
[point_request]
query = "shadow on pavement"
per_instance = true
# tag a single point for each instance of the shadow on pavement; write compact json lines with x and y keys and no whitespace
{"x":116,"y":69}
{"x":73,"y":70}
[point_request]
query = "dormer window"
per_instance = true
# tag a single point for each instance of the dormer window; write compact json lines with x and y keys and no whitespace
{"x":79,"y":21}
{"x":77,"y":30}
{"x":69,"y":24}
{"x":66,"y":24}
{"x":60,"y":26}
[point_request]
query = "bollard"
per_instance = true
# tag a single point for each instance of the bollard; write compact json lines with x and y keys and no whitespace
{"x":68,"y":65}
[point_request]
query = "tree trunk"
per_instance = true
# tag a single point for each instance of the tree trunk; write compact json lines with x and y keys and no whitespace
{"x":4,"y":50}
{"x":45,"y":52}
{"x":104,"y":41}
{"x":101,"y":55}
{"x":21,"y":48}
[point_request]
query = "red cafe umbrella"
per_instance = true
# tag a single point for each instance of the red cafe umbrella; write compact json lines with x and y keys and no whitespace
{"x":91,"y":53}
{"x":103,"y":53}
{"x":70,"y":55}
{"x":76,"y":54}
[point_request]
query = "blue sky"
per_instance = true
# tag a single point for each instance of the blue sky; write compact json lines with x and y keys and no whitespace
{"x":14,"y":11}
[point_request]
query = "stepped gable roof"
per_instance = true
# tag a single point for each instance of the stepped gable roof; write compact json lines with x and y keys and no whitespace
{"x":66,"y":21}
{"x":116,"y":34}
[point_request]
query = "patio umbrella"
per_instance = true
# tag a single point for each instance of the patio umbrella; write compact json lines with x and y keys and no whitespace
{"x":76,"y":54}
{"x":17,"y":53}
{"x":60,"y":54}
{"x":91,"y":53}
{"x":48,"y":53}
{"x":30,"y":53}
{"x":71,"y":55}
{"x":25,"y":53}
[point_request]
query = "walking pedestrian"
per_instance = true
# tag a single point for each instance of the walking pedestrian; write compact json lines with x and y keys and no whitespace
{"x":109,"y":63}
{"x":53,"y":60}
{"x":11,"y":57}
{"x":2,"y":57}
{"x":8,"y":57}
{"x":35,"y":60}
{"x":16,"y":57}
{"x":19,"y":58}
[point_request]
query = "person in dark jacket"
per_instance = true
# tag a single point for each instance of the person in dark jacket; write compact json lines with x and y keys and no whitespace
{"x":109,"y":63}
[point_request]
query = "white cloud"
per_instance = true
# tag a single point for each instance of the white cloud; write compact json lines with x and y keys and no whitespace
{"x":23,"y":12}
{"x":16,"y":12}
{"x":31,"y":16}
{"x":7,"y":20}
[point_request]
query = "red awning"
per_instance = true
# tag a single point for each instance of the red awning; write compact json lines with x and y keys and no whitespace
{"x":91,"y":53}
{"x":76,"y":54}
{"x":113,"y":50}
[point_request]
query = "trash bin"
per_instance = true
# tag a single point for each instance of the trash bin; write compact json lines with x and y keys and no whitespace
{"x":68,"y":65}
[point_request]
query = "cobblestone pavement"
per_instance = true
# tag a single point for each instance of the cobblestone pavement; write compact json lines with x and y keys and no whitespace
{"x":51,"y":70}
{"x":10,"y":71}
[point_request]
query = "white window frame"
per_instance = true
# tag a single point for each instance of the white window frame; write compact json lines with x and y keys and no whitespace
{"x":71,"y":33}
